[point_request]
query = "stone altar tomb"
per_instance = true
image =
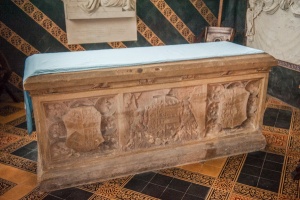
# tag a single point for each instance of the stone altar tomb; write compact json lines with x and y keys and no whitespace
{"x":100,"y":124}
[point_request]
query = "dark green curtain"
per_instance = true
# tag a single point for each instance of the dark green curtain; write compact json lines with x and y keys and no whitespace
{"x":234,"y":15}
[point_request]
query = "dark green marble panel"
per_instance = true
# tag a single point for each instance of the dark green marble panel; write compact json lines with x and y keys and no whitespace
{"x":284,"y":85}
{"x":15,"y":58}
{"x":158,"y":23}
{"x":141,"y":42}
{"x":234,"y":15}
{"x":18,"y":21}
{"x":54,"y":9}
{"x":213,"y":6}
{"x":190,"y":15}
{"x":96,"y":46}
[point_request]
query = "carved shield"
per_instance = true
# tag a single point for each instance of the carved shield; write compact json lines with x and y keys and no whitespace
{"x":233,"y":107}
{"x":83,"y":126}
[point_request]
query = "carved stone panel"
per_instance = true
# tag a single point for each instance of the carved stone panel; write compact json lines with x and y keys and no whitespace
{"x":81,"y":126}
{"x":105,"y":125}
{"x":164,"y":117}
{"x":232,"y":107}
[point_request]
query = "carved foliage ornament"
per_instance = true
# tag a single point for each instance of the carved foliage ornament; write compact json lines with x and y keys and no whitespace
{"x":91,"y":6}
{"x":269,"y":7}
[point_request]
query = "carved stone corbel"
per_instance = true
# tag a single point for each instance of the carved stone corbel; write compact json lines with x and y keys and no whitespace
{"x":91,"y":6}
{"x":285,"y":4}
{"x":255,"y":8}
{"x":271,"y":6}
{"x":295,"y":8}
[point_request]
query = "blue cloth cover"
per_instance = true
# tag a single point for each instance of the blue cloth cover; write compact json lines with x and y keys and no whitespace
{"x":48,"y":63}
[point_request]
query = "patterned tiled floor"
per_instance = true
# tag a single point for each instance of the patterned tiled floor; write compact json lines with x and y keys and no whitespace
{"x":258,"y":175}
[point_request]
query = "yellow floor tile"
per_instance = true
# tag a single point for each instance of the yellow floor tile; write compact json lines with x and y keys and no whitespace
{"x":216,"y":162}
{"x":15,"y":115}
{"x":12,"y":117}
{"x":3,"y":198}
{"x":7,"y":172}
{"x":30,"y":180}
{"x":210,"y":170}
{"x":18,"y":176}
{"x":192,"y":167}
{"x":18,"y":105}
{"x":17,"y":192}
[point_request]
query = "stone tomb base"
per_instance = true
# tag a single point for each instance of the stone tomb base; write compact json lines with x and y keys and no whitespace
{"x":95,"y":127}
{"x":116,"y":167}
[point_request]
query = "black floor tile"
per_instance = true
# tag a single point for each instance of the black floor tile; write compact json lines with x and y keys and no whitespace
{"x":257,"y":154}
{"x":284,"y":119}
{"x":282,"y":124}
{"x":179,"y":185}
{"x":191,"y":197}
{"x":251,"y":170}
{"x":32,"y":145}
{"x":24,"y":125}
{"x":79,"y":195}
{"x":283,"y":114}
{"x":271,"y":175}
{"x":272,"y":166}
{"x":198,"y":190}
{"x":270,"y":116}
{"x":254,"y":161}
{"x":28,"y":148}
{"x":161,"y":180}
{"x":248,"y":179}
{"x":147,"y":176}
{"x":33,"y":155}
{"x":153,"y":190}
{"x":268,"y":121}
{"x":271,"y":112}
{"x":275,"y":158}
{"x":136,"y":184}
{"x":50,"y":197}
{"x":268,"y":185}
{"x":21,"y":152}
{"x":64,"y":193}
{"x":170,"y":194}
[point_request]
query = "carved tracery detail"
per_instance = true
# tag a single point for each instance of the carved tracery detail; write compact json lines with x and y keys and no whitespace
{"x":269,"y":7}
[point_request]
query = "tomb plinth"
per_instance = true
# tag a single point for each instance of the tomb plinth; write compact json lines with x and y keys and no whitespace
{"x":95,"y":124}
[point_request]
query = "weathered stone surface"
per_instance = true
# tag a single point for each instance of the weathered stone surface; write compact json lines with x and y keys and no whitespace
{"x":103,"y":130}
